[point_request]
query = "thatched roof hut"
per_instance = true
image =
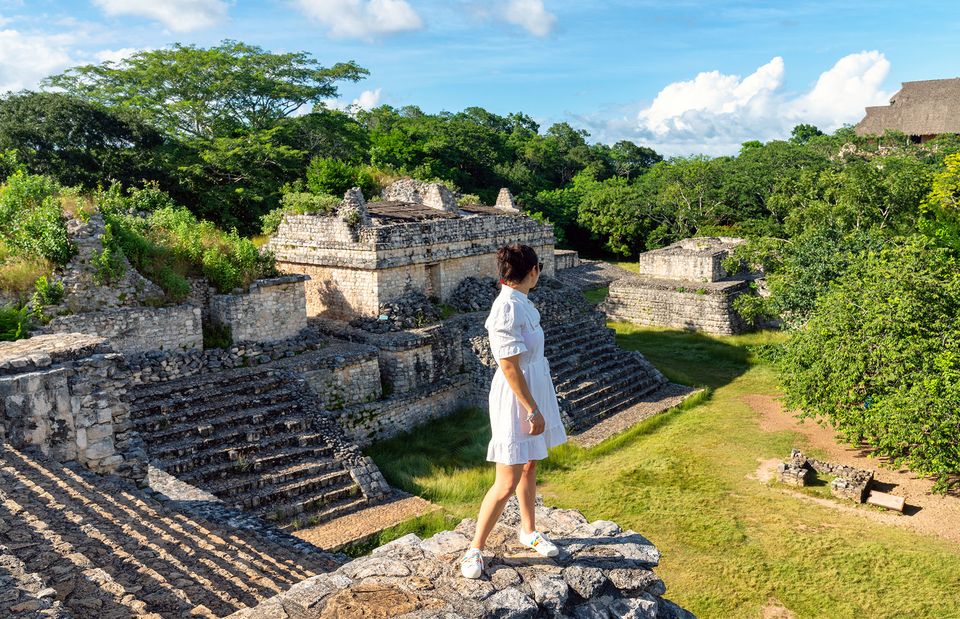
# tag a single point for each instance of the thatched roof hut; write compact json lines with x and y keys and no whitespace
{"x":921,"y":109}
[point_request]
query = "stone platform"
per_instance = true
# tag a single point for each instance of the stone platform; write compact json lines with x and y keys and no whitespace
{"x":601,"y":572}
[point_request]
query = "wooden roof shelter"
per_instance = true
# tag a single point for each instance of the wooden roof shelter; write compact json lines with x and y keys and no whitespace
{"x":921,"y":109}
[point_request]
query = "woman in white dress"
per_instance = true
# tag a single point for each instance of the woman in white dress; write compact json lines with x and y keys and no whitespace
{"x":524,"y":414}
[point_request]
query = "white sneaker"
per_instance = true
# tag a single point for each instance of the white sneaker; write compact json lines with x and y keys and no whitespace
{"x":471,"y":565}
{"x":538,"y":542}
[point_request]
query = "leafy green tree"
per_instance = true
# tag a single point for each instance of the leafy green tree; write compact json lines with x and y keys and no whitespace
{"x":880,"y":358}
{"x":940,"y":210}
{"x":207,"y":93}
{"x":803,"y":133}
{"x":335,"y":177}
{"x":82,"y":143}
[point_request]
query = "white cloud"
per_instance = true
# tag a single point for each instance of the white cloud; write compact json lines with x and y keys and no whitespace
{"x":531,"y":15}
{"x":367,"y":100}
{"x":177,"y":15}
{"x":115,"y":55}
{"x":362,"y":19}
{"x":25,"y":58}
{"x":714,"y":113}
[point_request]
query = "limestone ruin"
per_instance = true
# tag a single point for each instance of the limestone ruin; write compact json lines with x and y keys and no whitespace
{"x":245,"y":444}
{"x":683,"y":286}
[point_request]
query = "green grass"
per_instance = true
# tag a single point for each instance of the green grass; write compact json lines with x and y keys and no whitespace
{"x":597,"y":295}
{"x":730,"y":544}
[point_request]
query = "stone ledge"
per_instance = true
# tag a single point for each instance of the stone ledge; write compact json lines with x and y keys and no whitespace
{"x":601,"y":571}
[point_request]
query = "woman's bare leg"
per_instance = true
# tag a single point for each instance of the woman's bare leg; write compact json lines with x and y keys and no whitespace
{"x":527,"y":496}
{"x":508,"y":476}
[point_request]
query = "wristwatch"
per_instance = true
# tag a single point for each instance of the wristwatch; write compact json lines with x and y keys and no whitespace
{"x":532,"y":414}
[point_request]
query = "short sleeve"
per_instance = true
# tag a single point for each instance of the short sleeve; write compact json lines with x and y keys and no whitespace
{"x":503,"y":326}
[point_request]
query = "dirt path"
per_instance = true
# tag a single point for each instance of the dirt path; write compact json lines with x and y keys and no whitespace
{"x":361,"y":525}
{"x":926,"y":512}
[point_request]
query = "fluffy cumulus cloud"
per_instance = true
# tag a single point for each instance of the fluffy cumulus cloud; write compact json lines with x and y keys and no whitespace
{"x":362,"y":19}
{"x":715,"y":113}
{"x":26,"y":58}
{"x":115,"y":55}
{"x":367,"y":100}
{"x":177,"y":15}
{"x":531,"y":15}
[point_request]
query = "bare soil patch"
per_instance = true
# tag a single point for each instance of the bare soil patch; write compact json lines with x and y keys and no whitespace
{"x":926,"y":512}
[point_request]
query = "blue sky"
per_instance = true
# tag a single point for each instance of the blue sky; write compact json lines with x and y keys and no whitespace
{"x":683,"y":76}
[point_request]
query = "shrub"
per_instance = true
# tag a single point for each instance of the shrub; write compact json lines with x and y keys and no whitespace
{"x":109,"y":262}
{"x":333,"y":176}
{"x":880,"y":358}
{"x":47,"y":293}
{"x":217,"y":335}
{"x":299,"y":203}
{"x":14,"y":323}
{"x":31,"y":219}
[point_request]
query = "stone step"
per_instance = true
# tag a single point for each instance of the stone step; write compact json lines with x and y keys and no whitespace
{"x":247,"y":481}
{"x":158,"y":425}
{"x":332,"y":485}
{"x":246,"y":419}
{"x":610,"y":405}
{"x":202,"y":382}
{"x":321,"y":504}
{"x":628,"y":381}
{"x":607,"y":366}
{"x":234,"y":436}
{"x":110,"y":551}
{"x":573,"y":367}
{"x":149,"y":406}
{"x":221,"y":460}
{"x":269,"y":457}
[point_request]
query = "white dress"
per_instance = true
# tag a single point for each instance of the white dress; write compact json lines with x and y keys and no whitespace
{"x":514,"y":327}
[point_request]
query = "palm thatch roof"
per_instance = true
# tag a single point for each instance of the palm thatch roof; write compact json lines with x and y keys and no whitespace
{"x":928,"y":107}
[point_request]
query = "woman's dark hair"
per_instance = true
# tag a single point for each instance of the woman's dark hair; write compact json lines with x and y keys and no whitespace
{"x":514,"y":261}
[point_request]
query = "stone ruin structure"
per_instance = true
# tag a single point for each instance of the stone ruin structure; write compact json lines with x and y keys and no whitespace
{"x":683,"y":285}
{"x":124,"y":440}
{"x":416,"y":238}
{"x":849,"y":482}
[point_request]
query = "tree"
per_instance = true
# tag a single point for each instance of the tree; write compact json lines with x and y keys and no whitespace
{"x":803,"y":133}
{"x":630,"y":160}
{"x":195,"y":92}
{"x":880,"y":358}
{"x":81,"y":143}
{"x":940,"y":210}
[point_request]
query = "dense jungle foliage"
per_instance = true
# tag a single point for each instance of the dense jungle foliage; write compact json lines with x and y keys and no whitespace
{"x":858,"y":236}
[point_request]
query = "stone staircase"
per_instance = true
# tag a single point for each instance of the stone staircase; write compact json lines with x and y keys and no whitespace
{"x":247,"y":436}
{"x":593,"y":376}
{"x":73,"y":543}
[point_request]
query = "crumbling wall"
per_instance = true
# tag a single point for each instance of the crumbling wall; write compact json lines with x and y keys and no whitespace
{"x":138,"y":329}
{"x":65,"y":395}
{"x":706,"y":306}
{"x":270,"y":310}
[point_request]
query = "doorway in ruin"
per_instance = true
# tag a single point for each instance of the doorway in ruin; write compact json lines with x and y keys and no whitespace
{"x":432,"y":283}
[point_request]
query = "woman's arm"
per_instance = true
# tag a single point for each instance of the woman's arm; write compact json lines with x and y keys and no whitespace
{"x":510,"y":366}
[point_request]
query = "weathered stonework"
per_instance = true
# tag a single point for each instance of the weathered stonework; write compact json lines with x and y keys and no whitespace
{"x":601,"y":571}
{"x":849,"y":482}
{"x":138,"y":329}
{"x":270,"y":310}
{"x":703,"y":306}
{"x":420,"y":243}
{"x":566,"y":259}
{"x":66,"y":396}
{"x":683,"y":286}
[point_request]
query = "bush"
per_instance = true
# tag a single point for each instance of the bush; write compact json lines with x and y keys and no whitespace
{"x":880,"y":358}
{"x":170,"y":244}
{"x":31,"y":219}
{"x":335,"y":177}
{"x":47,"y":293}
{"x":109,"y":262}
{"x":14,"y":323}
{"x":299,"y":203}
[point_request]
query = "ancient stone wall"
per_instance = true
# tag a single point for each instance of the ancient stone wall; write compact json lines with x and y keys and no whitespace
{"x":566,"y":259}
{"x":270,"y":310}
{"x":697,"y":259}
{"x":340,"y":374}
{"x":64,"y":394}
{"x":364,"y":424}
{"x":138,"y":329}
{"x":706,"y":306}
